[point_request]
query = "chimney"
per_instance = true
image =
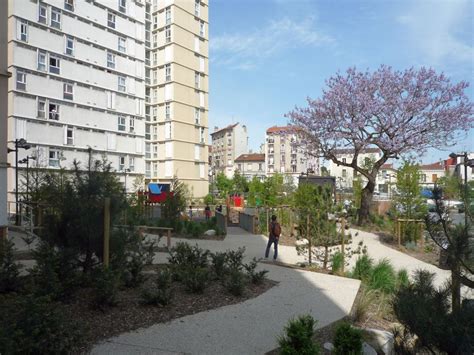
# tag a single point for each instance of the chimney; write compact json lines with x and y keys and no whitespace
{"x":216,"y":128}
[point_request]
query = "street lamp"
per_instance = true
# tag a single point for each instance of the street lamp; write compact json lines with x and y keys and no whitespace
{"x":126,"y":171}
{"x":466,"y":162}
{"x":19,"y":144}
{"x":27,"y":162}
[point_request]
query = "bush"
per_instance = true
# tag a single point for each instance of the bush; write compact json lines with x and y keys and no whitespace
{"x":402,"y":278}
{"x":297,"y":339}
{"x":35,"y":325}
{"x":337,"y":262}
{"x":195,"y":279}
{"x":256,"y":277}
{"x":363,"y":268}
{"x":106,"y":287}
{"x":184,"y":255}
{"x":161,"y":292}
{"x":234,"y":259}
{"x":235,"y":282}
{"x":9,"y":271}
{"x":383,"y":277}
{"x":347,"y":340}
{"x":363,"y":303}
{"x":219,"y":264}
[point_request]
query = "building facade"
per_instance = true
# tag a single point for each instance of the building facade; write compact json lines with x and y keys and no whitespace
{"x":177,"y":86}
{"x":251,"y":165}
{"x":430,"y":173}
{"x":228,"y":143}
{"x":283,"y":154}
{"x":78,"y":83}
{"x":4,"y":75}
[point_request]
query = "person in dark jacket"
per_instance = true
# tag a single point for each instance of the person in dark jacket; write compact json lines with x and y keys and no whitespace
{"x":273,"y":237}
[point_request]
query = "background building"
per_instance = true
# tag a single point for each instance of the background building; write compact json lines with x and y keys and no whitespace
{"x":284,"y":155}
{"x":177,"y":59}
{"x":78,"y":82}
{"x":227,"y":144}
{"x":251,"y":165}
{"x":430,"y":173}
{"x":4,"y":75}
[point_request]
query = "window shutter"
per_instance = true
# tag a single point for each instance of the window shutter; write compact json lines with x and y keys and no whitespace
{"x":196,"y":44}
{"x":139,"y":69}
{"x":111,"y":141}
{"x":196,"y":152}
{"x":131,"y":86}
{"x":201,"y":171}
{"x":201,"y":64}
{"x":139,"y":32}
{"x":20,"y":129}
{"x":138,"y":145}
{"x":65,"y":135}
{"x":18,"y":29}
{"x":168,"y":149}
{"x":168,"y":54}
{"x":168,"y":168}
{"x":201,"y":99}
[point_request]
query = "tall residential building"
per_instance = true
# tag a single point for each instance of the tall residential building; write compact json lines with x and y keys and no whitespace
{"x":78,"y":82}
{"x":283,"y":154}
{"x":227,"y":144}
{"x":177,"y":56}
{"x":4,"y":75}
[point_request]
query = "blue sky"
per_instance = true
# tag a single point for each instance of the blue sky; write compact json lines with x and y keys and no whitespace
{"x":266,"y":56}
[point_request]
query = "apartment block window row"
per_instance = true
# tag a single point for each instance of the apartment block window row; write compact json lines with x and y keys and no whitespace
{"x":168,"y":72}
{"x":122,"y":124}
{"x":197,"y":8}
{"x":20,"y":80}
{"x":110,"y":60}
{"x":168,"y":15}
{"x":54,"y":158}
{"x":47,"y":108}
{"x":69,"y":136}
{"x":47,"y":61}
{"x":168,"y":34}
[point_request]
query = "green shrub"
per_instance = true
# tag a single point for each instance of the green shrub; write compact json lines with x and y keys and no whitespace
{"x":234,"y":259}
{"x":297,"y":339}
{"x":383,"y":277}
{"x":402,"y":278}
{"x":9,"y":270}
{"x":256,"y":277}
{"x":235,"y":282}
{"x":160,"y":292}
{"x":219,"y":264}
{"x":363,"y":303}
{"x":195,"y":279}
{"x":347,"y":340}
{"x":363,"y":268}
{"x":106,"y":286}
{"x":337,"y":262}
{"x":35,"y":325}
{"x":186,"y":256}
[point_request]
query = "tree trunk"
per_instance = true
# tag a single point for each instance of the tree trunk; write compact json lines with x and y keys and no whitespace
{"x":455,"y":286}
{"x":365,"y":202}
{"x":326,"y":258}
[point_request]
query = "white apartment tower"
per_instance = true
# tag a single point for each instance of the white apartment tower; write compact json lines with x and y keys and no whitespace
{"x":176,"y":110}
{"x":78,"y":82}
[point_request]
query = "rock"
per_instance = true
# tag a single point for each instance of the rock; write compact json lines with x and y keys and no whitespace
{"x":381,"y":340}
{"x":368,"y":350}
{"x":328,"y":346}
{"x":210,"y":233}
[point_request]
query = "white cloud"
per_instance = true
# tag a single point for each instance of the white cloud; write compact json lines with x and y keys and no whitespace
{"x":246,"y":50}
{"x":435,"y":29}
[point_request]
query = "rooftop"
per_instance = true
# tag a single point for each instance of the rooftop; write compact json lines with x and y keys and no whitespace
{"x":433,"y":166}
{"x":251,"y":157}
{"x":351,"y":151}
{"x":229,"y":127}
{"x":281,"y":129}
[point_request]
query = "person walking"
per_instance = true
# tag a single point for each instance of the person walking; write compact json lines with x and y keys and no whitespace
{"x":273,"y":237}
{"x":207,"y":212}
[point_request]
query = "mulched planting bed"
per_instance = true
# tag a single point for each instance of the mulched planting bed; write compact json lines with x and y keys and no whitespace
{"x":130,"y":314}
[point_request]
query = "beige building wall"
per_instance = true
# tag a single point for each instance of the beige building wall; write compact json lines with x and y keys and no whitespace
{"x":177,"y":59}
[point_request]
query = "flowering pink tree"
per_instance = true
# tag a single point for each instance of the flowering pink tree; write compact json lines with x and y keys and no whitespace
{"x":395,"y":111}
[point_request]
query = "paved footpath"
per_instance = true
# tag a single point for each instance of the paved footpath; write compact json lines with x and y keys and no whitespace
{"x":251,"y":327}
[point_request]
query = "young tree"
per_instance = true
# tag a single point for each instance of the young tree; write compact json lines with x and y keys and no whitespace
{"x":224,"y":185}
{"x":240,"y":183}
{"x":395,"y":111}
{"x":175,"y":203}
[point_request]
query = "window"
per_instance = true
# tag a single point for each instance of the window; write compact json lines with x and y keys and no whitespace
{"x":201,"y":134}
{"x":147,"y":149}
{"x":434,"y":177}
{"x":155,"y":133}
{"x":54,"y":158}
{"x":54,"y":64}
{"x":155,"y":169}
{"x":122,"y":124}
{"x":122,"y":45}
{"x":23,"y":31}
{"x":155,"y":77}
{"x":202,"y":29}
{"x":197,"y":8}
{"x":168,"y":15}
{"x":197,"y":80}
{"x":155,"y":151}
{"x":122,"y":84}
{"x":293,"y":168}
{"x":168,"y":72}
{"x":344,"y":173}
{"x":41,"y":108}
{"x":41,"y":60}
{"x":168,"y":34}
{"x":131,"y":163}
{"x":344,"y":160}
{"x":167,"y":111}
{"x":69,"y":45}
{"x":123,"y":6}
{"x":132,"y":125}
{"x":111,"y":20}
{"x":53,"y":111}
{"x":148,"y":169}
{"x":69,"y":5}
{"x":155,"y":22}
{"x":110,"y":60}
{"x":20,"y":80}
{"x":55,"y":18}
{"x":155,"y":40}
{"x":260,"y":167}
{"x":42,"y":14}
{"x":69,"y":136}
{"x":423,"y":177}
{"x":68,"y":91}
{"x":121,"y":163}
{"x":168,"y":130}
{"x":155,"y":58}
{"x":197,"y":115}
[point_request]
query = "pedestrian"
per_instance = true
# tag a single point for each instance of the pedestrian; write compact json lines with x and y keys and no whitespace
{"x":219,"y":209}
{"x":273,"y":237}
{"x":207,"y":212}
{"x":190,"y":213}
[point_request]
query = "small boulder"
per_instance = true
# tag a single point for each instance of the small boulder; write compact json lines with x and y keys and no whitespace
{"x":210,"y":233}
{"x":368,"y":350}
{"x":328,"y":346}
{"x":381,"y":340}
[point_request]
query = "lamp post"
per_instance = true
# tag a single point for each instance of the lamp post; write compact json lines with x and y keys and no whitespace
{"x":466,"y":162}
{"x":27,"y":162}
{"x":23,"y":144}
{"x":125,"y":187}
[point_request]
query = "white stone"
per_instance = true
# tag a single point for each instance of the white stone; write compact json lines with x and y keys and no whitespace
{"x":328,"y":346}
{"x":368,"y":350}
{"x":381,"y":340}
{"x":210,"y":232}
